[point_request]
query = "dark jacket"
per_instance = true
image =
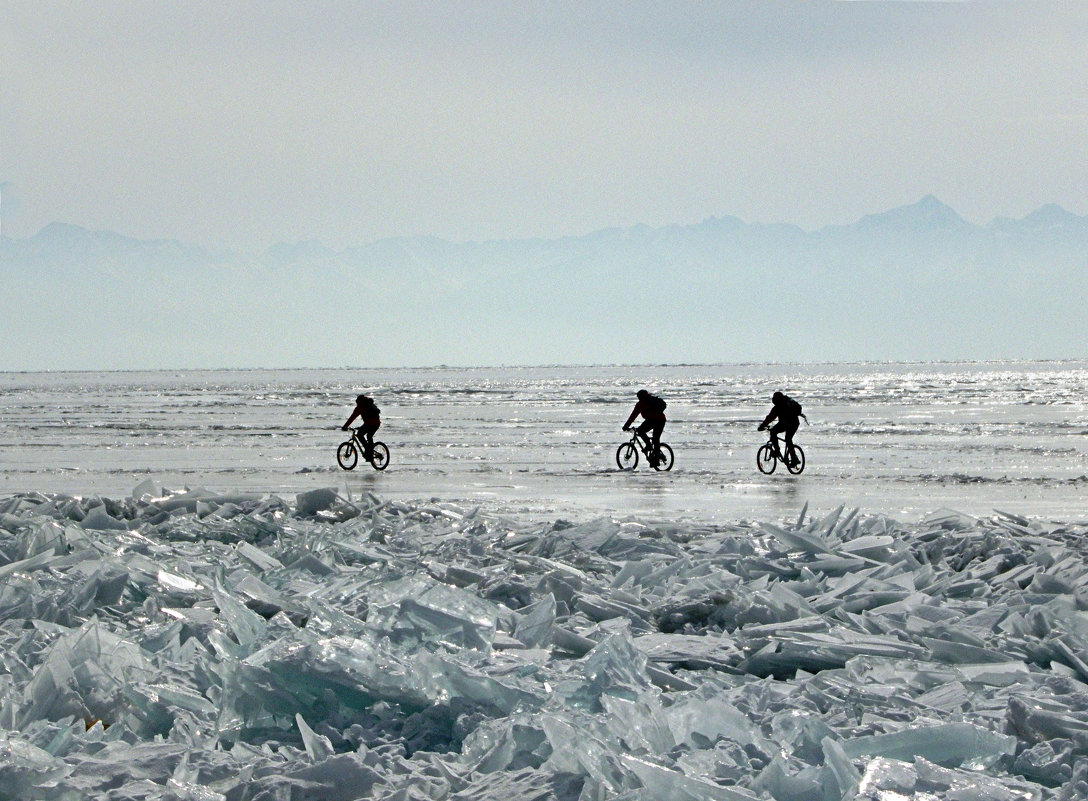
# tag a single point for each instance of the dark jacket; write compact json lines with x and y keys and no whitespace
{"x":367,"y":410}
{"x":643,"y":408}
{"x":787,"y":411}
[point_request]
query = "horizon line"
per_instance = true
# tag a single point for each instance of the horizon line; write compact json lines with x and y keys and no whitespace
{"x":567,"y":366}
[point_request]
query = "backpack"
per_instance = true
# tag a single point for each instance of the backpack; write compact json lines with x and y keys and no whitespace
{"x":792,"y":407}
{"x":655,"y":403}
{"x":370,"y":408}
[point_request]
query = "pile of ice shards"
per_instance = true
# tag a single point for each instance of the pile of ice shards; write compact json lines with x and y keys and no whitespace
{"x":193,"y":646}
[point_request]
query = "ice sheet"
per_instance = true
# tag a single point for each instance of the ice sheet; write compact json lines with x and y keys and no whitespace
{"x":900,"y":439}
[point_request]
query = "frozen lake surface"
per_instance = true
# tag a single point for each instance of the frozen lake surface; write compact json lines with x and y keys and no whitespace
{"x":503,"y":614}
{"x":901,"y":439}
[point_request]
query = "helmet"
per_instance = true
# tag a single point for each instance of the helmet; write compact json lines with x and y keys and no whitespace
{"x":642,"y":393}
{"x":777,"y":396}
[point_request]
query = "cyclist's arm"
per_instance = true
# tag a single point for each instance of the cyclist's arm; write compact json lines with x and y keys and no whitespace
{"x":355,"y":413}
{"x":767,"y":420}
{"x":634,"y":413}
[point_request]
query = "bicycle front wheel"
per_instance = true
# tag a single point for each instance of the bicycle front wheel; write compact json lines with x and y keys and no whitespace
{"x":798,"y":464}
{"x":379,"y":456}
{"x":627,"y":456}
{"x":347,"y":456}
{"x":664,"y":457}
{"x":766,"y":460}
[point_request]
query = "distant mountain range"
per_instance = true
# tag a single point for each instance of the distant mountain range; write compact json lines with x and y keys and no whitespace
{"x":916,"y":282}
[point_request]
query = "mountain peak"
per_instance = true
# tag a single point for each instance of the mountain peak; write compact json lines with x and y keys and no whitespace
{"x":929,"y":213}
{"x":56,"y":231}
{"x":1052,"y":216}
{"x":1047,"y":218}
{"x":59,"y":234}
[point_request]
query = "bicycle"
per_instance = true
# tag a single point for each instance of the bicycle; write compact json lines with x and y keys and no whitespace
{"x":768,"y":456}
{"x":627,"y":454}
{"x":347,"y":455}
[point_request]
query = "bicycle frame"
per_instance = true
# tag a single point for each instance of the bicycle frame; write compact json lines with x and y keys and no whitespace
{"x":643,"y":442}
{"x":793,"y":457}
{"x":359,"y":441}
{"x":772,"y":440}
{"x":349,"y":452}
{"x":660,"y":458}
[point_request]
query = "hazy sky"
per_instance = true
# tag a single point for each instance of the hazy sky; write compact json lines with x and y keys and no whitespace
{"x":244,"y":124}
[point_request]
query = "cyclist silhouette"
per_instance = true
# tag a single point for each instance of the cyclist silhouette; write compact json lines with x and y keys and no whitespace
{"x":788,"y":412}
{"x":652,"y":409}
{"x":368,"y":411}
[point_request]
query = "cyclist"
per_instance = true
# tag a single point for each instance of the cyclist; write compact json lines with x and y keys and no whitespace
{"x":788,"y":412}
{"x":652,"y":409}
{"x":368,"y":411}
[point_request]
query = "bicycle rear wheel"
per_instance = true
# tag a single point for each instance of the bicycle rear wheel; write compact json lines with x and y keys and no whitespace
{"x":799,"y":461}
{"x":347,"y":456}
{"x":379,"y":456}
{"x":664,"y":457}
{"x":627,"y":456}
{"x":766,"y":461}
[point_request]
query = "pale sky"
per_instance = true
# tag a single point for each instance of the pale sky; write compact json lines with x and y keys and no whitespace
{"x":243,"y":124}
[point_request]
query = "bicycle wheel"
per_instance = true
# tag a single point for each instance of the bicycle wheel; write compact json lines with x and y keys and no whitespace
{"x":766,"y":460}
{"x":664,"y":457}
{"x":347,"y":456}
{"x":627,"y":456}
{"x":799,"y":461}
{"x":379,"y":456}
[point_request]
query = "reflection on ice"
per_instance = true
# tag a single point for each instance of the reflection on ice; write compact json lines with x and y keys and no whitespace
{"x":203,"y":646}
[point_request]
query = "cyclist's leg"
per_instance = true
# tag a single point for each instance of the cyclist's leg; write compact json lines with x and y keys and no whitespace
{"x":788,"y":431}
{"x":779,"y":426}
{"x":642,"y":430}
{"x":368,"y":430}
{"x":658,"y":427}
